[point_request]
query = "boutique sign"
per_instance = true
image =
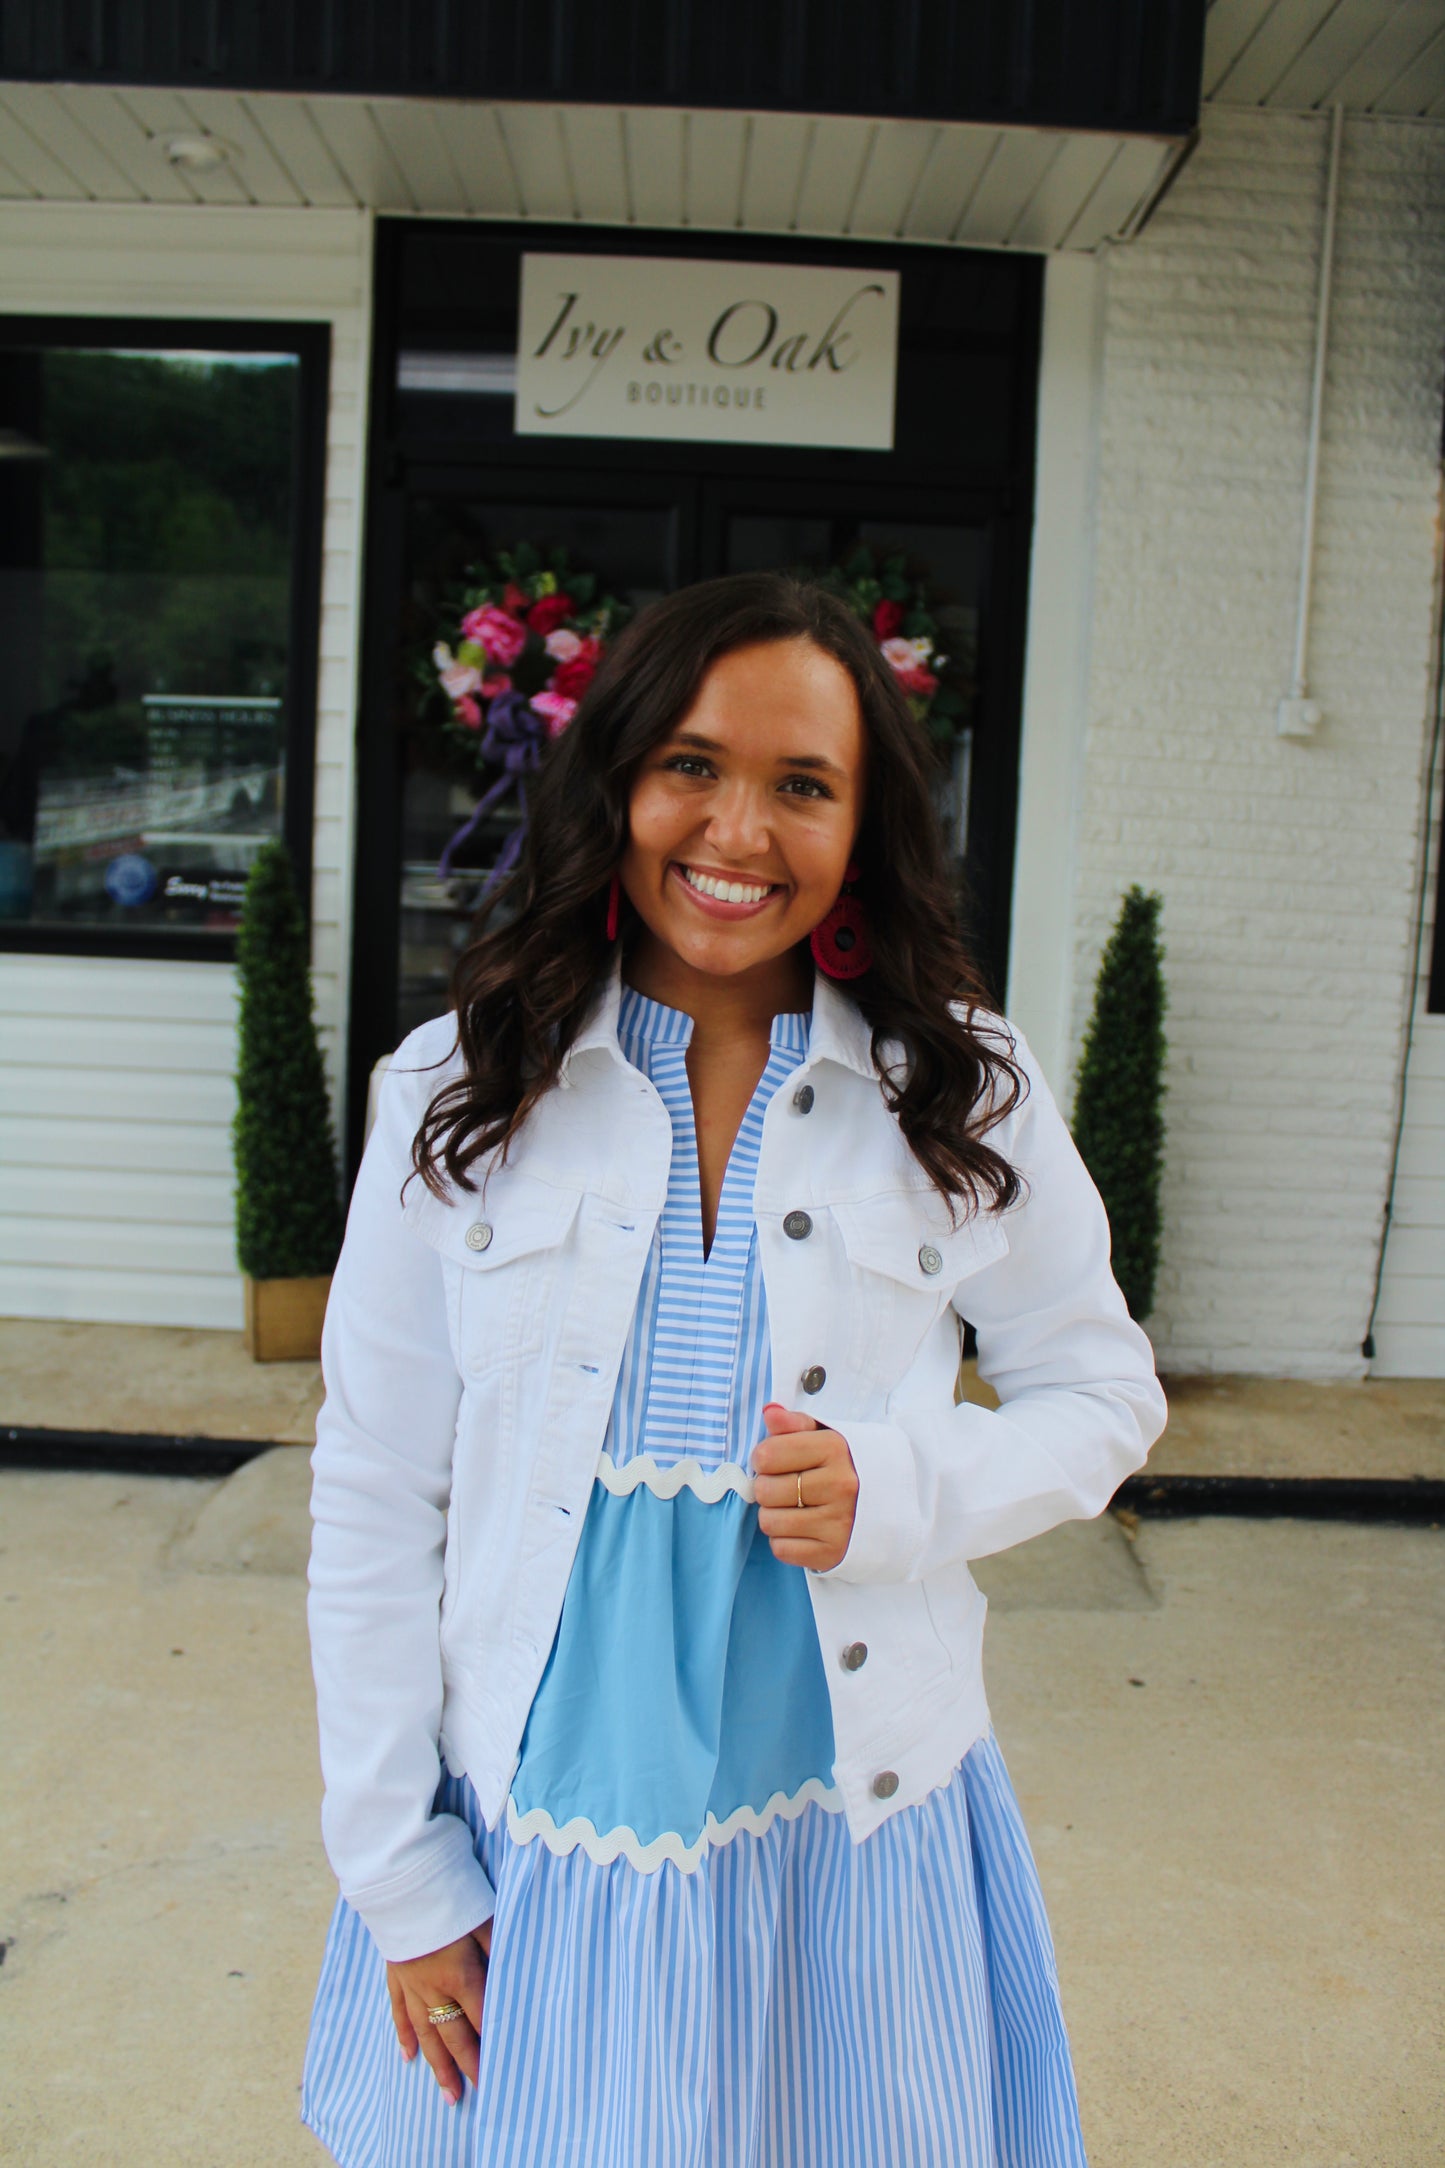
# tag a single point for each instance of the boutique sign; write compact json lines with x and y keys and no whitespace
{"x":660,"y":346}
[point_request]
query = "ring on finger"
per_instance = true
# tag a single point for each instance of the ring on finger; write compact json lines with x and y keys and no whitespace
{"x":800,"y":1490}
{"x":445,"y":2013}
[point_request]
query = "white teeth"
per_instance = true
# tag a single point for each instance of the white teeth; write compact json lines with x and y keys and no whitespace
{"x":724,"y":891}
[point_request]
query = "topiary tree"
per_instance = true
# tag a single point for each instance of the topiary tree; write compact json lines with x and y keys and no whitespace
{"x":288,"y":1213}
{"x":1119,"y":1096}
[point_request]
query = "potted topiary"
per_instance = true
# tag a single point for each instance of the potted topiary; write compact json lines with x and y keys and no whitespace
{"x":288,"y":1213}
{"x":1119,"y":1098}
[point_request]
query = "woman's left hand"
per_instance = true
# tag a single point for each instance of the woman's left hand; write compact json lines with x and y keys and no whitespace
{"x":798,"y":1448}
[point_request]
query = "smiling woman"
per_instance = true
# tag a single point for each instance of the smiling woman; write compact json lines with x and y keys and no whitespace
{"x":660,"y":1783}
{"x":812,"y":759}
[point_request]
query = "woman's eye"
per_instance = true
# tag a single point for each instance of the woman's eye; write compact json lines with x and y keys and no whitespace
{"x":807,"y":786}
{"x":686,"y":764}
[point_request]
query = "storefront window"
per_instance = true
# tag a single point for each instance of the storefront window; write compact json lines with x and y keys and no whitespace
{"x":149,"y":561}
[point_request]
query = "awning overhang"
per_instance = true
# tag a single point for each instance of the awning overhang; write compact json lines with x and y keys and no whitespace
{"x":968,"y":184}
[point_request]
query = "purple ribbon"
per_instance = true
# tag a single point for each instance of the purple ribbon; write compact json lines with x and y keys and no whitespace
{"x":515,"y":736}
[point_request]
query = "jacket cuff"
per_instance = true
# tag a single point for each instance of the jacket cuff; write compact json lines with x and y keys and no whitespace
{"x":424,"y":1911}
{"x":886,"y":1535}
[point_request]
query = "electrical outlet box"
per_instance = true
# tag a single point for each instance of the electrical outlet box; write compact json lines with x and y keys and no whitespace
{"x":1297,"y":717}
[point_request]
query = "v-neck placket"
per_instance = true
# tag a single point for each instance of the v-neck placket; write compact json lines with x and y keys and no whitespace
{"x":700,"y":1303}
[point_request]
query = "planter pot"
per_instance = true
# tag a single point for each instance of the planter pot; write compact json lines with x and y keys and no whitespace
{"x":283,"y":1319}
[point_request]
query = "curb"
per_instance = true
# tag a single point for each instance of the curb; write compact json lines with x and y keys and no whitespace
{"x":1412,"y":1501}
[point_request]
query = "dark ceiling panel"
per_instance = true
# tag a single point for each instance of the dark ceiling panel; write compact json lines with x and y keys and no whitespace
{"x":1129,"y":65}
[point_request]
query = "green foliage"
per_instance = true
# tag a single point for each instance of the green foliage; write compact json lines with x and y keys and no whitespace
{"x":167,"y":523}
{"x":288,"y":1215}
{"x":1119,"y":1098}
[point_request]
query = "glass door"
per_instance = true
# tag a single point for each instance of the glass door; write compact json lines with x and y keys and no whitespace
{"x":452,"y":760}
{"x":944,"y":556}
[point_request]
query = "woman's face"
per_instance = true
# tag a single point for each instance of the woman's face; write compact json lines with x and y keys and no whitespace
{"x":741,"y":822}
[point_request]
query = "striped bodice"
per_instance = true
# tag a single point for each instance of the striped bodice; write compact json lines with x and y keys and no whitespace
{"x":695,"y":1372}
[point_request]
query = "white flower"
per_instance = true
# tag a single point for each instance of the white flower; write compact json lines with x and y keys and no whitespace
{"x":563,"y":644}
{"x":458,"y":678}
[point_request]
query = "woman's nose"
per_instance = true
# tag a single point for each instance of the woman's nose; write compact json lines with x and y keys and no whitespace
{"x":738,"y":826}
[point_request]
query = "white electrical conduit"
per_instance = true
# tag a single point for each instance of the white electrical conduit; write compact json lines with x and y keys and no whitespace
{"x":1298,"y":715}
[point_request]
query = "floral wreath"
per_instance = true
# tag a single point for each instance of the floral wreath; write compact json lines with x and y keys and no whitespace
{"x":895,"y":608}
{"x":530,"y":631}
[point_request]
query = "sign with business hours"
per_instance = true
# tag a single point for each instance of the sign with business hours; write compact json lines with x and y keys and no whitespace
{"x":729,"y":353}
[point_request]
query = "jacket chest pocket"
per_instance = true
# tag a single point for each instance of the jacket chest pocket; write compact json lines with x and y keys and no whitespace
{"x":907,"y":1264}
{"x":500,"y":1260}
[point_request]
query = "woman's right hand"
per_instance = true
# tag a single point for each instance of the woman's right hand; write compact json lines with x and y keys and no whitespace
{"x":457,"y":1973}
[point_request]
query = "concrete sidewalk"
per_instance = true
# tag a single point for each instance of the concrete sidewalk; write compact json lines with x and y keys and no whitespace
{"x":176,"y":1382}
{"x":1228,"y":1738}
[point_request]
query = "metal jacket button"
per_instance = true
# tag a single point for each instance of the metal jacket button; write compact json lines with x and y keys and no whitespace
{"x":803,"y":1098}
{"x":814,"y":1378}
{"x":479,"y":1234}
{"x":798,"y":1226}
{"x":855,"y":1656}
{"x":885,"y":1784}
{"x":930,"y":1260}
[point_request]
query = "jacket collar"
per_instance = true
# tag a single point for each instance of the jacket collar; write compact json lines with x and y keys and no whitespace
{"x":839,"y":1033}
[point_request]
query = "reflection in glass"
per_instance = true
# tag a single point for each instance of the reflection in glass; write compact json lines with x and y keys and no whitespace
{"x":145,"y":594}
{"x":949,"y":559}
{"x":631,"y":550}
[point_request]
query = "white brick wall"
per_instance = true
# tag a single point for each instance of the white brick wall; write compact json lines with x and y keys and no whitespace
{"x":1287,"y":869}
{"x":1410,"y":1322}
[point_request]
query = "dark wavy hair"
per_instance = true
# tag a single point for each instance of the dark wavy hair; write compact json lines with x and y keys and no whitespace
{"x":524,"y":985}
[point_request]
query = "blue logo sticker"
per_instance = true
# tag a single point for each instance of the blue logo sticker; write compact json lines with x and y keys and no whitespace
{"x":130,"y":879}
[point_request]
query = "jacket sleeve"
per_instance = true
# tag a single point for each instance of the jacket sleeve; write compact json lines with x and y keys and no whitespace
{"x":381,"y":1484}
{"x":1080,"y":1405}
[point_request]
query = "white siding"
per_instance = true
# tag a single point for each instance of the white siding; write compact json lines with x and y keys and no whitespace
{"x":115,"y":1076}
{"x":1288,"y":869}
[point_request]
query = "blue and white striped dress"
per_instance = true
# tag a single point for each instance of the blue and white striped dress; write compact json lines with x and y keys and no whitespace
{"x":693,"y":1964}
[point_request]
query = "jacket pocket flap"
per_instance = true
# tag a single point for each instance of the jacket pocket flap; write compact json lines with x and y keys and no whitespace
{"x":908,"y":1238}
{"x":512,"y":1221}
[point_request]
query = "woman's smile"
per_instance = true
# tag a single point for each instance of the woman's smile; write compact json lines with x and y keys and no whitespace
{"x":725,"y":895}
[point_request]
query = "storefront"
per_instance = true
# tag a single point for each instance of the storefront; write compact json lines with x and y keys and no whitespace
{"x":258,"y":370}
{"x":454,"y":481}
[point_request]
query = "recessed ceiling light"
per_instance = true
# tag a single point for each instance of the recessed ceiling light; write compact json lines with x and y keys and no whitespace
{"x":197,"y":153}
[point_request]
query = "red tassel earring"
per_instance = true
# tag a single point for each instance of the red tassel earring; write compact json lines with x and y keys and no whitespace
{"x":840,"y":943}
{"x":614,"y":906}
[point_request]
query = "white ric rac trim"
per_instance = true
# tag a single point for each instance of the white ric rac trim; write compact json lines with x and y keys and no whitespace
{"x":645,"y":1473}
{"x":623,"y":1843}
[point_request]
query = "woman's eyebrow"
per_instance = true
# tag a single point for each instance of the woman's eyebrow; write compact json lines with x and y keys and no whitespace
{"x":701,"y":744}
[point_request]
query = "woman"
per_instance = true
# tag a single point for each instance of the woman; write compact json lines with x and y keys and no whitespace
{"x":659,"y":1779}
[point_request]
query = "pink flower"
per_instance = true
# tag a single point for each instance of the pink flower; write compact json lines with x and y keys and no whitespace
{"x":468,"y":713}
{"x":491,"y":686}
{"x":556,"y":711}
{"x":898,"y":654}
{"x":502,"y":636}
{"x":917,"y":680}
{"x":563,"y":643}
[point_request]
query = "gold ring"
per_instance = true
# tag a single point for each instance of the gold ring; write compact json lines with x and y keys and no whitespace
{"x":445,"y":2013}
{"x":800,"y":1490}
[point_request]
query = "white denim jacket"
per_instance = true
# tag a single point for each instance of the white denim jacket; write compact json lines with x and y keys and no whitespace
{"x":470,"y":1352}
